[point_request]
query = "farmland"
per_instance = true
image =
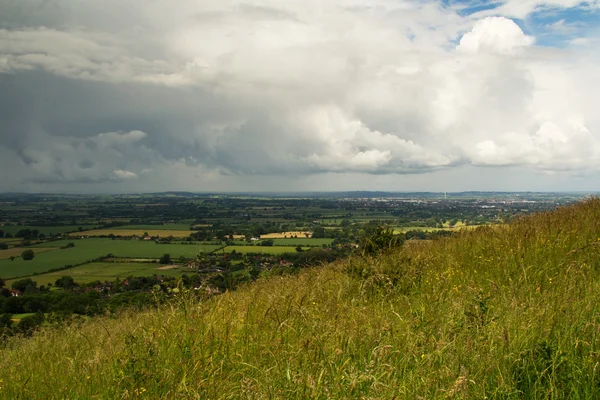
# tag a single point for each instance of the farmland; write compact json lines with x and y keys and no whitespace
{"x":46,"y":230}
{"x":108,"y":271}
{"x":134,"y":232}
{"x":261,"y":249}
{"x":90,"y":249}
{"x":283,"y":235}
{"x":302,"y":242}
{"x":16,"y":252}
{"x":185,"y":225}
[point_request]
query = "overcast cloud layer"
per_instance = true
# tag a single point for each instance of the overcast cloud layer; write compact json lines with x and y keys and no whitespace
{"x":229,"y":95}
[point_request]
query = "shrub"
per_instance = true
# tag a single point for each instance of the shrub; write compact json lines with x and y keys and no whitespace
{"x":28,"y":255}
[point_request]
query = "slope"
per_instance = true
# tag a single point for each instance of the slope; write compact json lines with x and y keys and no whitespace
{"x":505,"y":312}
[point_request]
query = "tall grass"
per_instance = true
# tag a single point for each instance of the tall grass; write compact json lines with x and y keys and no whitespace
{"x":510,"y":312}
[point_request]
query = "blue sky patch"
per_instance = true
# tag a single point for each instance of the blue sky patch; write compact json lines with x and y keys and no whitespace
{"x":551,"y":26}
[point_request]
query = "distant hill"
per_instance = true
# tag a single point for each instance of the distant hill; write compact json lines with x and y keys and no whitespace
{"x":509,"y":312}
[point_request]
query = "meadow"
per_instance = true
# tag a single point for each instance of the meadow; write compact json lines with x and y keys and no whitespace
{"x":165,"y":226}
{"x":122,"y":231}
{"x":46,"y":230}
{"x":108,"y":271}
{"x":511,"y":312}
{"x":261,"y":249}
{"x":90,"y":249}
{"x":16,"y":251}
{"x":302,"y":242}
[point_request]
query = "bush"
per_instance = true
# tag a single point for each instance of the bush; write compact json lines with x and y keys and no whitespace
{"x":382,"y":239}
{"x":28,"y":255}
{"x":30,"y":323}
{"x":24,"y":285}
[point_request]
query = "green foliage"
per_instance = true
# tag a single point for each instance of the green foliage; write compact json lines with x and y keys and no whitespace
{"x":5,"y":320}
{"x":508,"y":312}
{"x":381,"y":239}
{"x":25,"y":285}
{"x":27,"y":255}
{"x":66,"y":282}
{"x":165,"y":259}
{"x":27,"y":325}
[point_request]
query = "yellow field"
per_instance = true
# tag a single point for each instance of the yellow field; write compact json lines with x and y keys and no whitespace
{"x":16,"y":251}
{"x":281,"y":235}
{"x":136,"y":232}
{"x":284,"y":235}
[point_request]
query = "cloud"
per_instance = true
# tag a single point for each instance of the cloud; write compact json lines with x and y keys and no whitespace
{"x":497,"y":35}
{"x":523,"y":8}
{"x":124,"y":174}
{"x":65,"y":159}
{"x":230,"y":89}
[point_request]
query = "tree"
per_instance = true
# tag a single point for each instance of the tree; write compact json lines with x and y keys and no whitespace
{"x":25,"y":285}
{"x":5,"y":321}
{"x":65,"y":282}
{"x":2,"y":283}
{"x":30,"y":323}
{"x":165,"y":259}
{"x":318,"y":232}
{"x":28,"y":255}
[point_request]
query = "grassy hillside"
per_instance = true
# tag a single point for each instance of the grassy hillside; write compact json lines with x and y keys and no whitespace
{"x":511,"y":312}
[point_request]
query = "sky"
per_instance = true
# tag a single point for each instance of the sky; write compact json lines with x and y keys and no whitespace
{"x":117,"y":96}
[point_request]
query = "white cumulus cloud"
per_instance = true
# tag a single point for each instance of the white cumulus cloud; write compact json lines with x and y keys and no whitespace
{"x":295,"y":88}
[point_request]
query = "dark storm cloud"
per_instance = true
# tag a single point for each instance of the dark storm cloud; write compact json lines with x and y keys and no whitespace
{"x":138,"y":94}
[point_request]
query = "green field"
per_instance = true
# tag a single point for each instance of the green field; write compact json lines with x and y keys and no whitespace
{"x":16,"y":251}
{"x":457,"y":228}
{"x":108,"y":271}
{"x":47,"y":230}
{"x":89,"y":249}
{"x":18,"y":317}
{"x":302,"y":242}
{"x":166,"y":227}
{"x":262,"y":249}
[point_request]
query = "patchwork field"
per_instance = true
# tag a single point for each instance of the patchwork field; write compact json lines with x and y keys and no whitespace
{"x":89,"y":249}
{"x":426,"y":229}
{"x":168,"y":227}
{"x":284,"y":235}
{"x":302,"y":242}
{"x":16,"y":251}
{"x":108,"y":271}
{"x":262,"y":249}
{"x":121,"y":231}
{"x":46,"y":230}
